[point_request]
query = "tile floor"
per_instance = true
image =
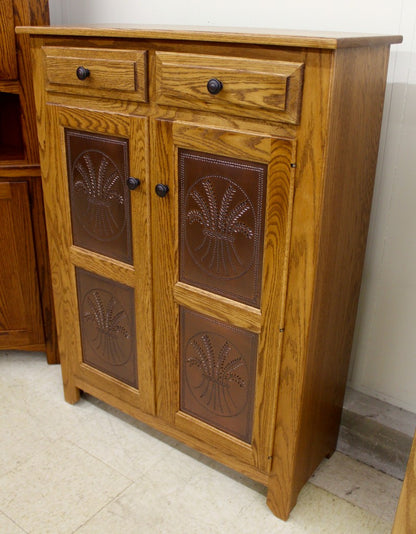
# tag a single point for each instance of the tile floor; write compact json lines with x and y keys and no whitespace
{"x":90,"y":469}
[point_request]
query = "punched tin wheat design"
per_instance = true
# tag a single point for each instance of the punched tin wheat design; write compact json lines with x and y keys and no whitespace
{"x":110,"y":324}
{"x":217,"y":374}
{"x":108,"y":334}
{"x":99,"y":188}
{"x":227,"y":222}
{"x":100,"y":205}
{"x":222,"y":203}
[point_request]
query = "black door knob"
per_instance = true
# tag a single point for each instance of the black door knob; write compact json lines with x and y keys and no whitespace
{"x":214,"y":86}
{"x":82,"y":73}
{"x":162,"y":190}
{"x":132,"y":183}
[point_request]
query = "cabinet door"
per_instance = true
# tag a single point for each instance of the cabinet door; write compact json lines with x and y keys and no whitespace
{"x":220,"y":238}
{"x":20,"y":315}
{"x":97,"y":214}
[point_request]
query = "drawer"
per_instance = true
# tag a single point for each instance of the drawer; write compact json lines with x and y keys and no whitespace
{"x":262,"y":89}
{"x":120,"y":74}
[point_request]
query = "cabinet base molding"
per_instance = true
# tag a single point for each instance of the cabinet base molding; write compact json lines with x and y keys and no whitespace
{"x":165,"y":428}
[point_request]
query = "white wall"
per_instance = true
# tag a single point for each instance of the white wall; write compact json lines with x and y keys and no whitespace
{"x":384,"y":355}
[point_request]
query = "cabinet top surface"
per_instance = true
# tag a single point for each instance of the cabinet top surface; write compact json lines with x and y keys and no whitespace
{"x":270,"y":37}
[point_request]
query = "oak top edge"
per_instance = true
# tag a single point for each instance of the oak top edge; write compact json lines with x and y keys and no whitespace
{"x":259,"y":36}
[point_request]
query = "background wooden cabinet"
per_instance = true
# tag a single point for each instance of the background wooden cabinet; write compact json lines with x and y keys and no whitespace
{"x":8,"y":58}
{"x":207,"y":213}
{"x":26,"y":309}
{"x":20,"y":311}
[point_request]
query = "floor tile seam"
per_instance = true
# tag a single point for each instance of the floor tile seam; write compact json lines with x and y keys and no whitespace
{"x":14,"y":522}
{"x":351,"y":419}
{"x":109,"y":503}
{"x":212,"y":464}
{"x":387,"y":524}
{"x":382,"y":484}
{"x":365,"y":464}
{"x":386,"y":519}
{"x":21,"y":463}
{"x":356,"y":505}
{"x":248,"y":503}
{"x":47,"y":432}
{"x":70,"y":443}
{"x":85,"y":450}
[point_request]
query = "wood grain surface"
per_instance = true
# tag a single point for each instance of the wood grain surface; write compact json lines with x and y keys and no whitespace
{"x":269,"y":37}
{"x":124,"y":71}
{"x":20,"y":314}
{"x":8,"y":64}
{"x":405,"y":520}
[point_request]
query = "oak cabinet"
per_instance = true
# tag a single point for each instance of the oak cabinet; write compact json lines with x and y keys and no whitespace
{"x":207,"y":198}
{"x":26,"y":308}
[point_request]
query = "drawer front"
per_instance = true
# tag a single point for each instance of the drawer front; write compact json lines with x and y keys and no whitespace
{"x":238,"y":86}
{"x":117,"y":74}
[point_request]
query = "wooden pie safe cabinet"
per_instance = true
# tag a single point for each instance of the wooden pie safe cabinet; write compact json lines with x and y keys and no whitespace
{"x":207,"y":196}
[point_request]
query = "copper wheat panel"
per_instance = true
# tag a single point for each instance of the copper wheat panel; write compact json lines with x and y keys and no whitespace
{"x":218,"y":373}
{"x":108,"y":334}
{"x":100,"y":205}
{"x":222,"y":224}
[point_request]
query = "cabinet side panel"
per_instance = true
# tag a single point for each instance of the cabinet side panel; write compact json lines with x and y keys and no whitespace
{"x":8,"y":67}
{"x":44,"y":274}
{"x":20,"y":316}
{"x":405,"y":520}
{"x":27,"y":12}
{"x":35,"y":13}
{"x":301,"y":276}
{"x":355,"y":122}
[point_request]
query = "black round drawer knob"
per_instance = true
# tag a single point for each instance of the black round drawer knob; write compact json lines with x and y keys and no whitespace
{"x":82,"y":73}
{"x":132,"y":183}
{"x":214,"y":86}
{"x":162,"y":190}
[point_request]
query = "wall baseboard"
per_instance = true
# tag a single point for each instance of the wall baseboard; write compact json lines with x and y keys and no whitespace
{"x":376,"y":433}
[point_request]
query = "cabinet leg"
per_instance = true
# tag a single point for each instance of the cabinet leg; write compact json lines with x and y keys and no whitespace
{"x":52,"y":354}
{"x":279,"y":501}
{"x":72,"y":394}
{"x":329,"y":454}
